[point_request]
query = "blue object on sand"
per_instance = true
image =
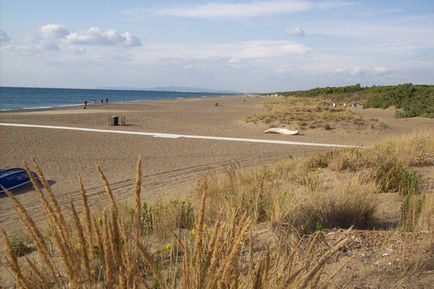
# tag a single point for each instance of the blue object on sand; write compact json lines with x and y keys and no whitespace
{"x":14,"y":178}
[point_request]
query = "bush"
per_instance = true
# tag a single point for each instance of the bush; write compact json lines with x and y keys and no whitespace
{"x":390,"y":176}
{"x":413,"y":100}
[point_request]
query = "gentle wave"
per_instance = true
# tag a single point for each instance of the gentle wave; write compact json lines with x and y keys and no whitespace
{"x":17,"y":98}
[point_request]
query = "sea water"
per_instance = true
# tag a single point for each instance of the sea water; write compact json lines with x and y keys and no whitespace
{"x":12,"y":98}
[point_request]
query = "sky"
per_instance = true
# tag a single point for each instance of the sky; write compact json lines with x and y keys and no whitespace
{"x":252,"y":46}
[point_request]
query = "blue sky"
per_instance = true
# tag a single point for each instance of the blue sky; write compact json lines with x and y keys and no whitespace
{"x":222,"y":45}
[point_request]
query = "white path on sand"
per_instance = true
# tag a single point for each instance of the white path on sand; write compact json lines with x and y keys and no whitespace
{"x":175,"y":136}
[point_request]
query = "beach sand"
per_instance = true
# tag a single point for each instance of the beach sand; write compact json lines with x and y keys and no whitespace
{"x":170,"y":166}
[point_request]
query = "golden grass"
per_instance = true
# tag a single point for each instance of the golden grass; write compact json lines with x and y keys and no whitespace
{"x":412,"y":150}
{"x":332,"y":189}
{"x":214,"y":245}
{"x":291,"y":198}
{"x":108,"y":256}
{"x":303,"y":111}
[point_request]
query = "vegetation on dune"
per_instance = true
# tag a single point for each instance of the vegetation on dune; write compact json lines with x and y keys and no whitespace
{"x":314,"y":108}
{"x":110,"y":250}
{"x":305,"y":112}
{"x":333,"y":189}
{"x":411,"y":100}
{"x":213,"y":239}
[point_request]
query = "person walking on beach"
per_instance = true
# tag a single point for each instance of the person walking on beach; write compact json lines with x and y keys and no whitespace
{"x":102,"y":101}
{"x":85,"y":104}
{"x":106,"y":101}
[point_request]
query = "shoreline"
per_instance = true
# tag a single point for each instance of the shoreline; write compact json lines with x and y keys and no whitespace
{"x":189,"y":95}
{"x":69,"y":106}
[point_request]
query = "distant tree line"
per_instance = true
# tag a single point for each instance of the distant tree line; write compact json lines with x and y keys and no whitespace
{"x":319,"y":91}
{"x":410,"y":100}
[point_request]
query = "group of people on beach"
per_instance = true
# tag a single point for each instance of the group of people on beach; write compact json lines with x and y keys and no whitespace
{"x":95,"y":102}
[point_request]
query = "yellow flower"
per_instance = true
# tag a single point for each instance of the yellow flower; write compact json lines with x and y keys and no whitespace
{"x":193,"y":232}
{"x":167,"y":246}
{"x":78,"y":246}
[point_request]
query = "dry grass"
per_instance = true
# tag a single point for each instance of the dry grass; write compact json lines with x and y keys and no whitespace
{"x":346,"y":203}
{"x":291,"y":198}
{"x":249,"y":192}
{"x":99,"y":251}
{"x":390,"y":163}
{"x":412,"y":150}
{"x":306,"y":112}
{"x":214,"y":245}
{"x":333,"y":189}
{"x":162,"y":218}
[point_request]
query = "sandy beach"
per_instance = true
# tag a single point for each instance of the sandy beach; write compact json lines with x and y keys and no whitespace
{"x":171,"y":166}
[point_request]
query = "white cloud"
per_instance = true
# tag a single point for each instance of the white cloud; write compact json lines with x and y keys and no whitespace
{"x":403,"y":35}
{"x":296,"y":32}
{"x":364,"y":70}
{"x":333,"y":4}
{"x":53,"y":31}
{"x":406,"y":46}
{"x":98,"y":36}
{"x":49,"y":45}
{"x":52,"y":36}
{"x":359,"y":71}
{"x":381,"y":70}
{"x":78,"y":50}
{"x":213,"y":10}
{"x":267,"y":49}
{"x":233,"y":52}
{"x":4,"y":37}
{"x":57,"y":38}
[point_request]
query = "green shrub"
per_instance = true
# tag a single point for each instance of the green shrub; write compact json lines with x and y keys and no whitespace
{"x":20,"y":246}
{"x":146,"y":219}
{"x":411,"y":209}
{"x":391,"y":176}
{"x":412,"y":100}
{"x":164,"y":217}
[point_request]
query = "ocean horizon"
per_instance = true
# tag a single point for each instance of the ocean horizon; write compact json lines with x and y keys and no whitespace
{"x":20,"y":98}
